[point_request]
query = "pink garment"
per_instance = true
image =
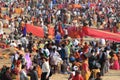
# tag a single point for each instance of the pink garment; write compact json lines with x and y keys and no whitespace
{"x":28,"y":60}
{"x":116,"y":65}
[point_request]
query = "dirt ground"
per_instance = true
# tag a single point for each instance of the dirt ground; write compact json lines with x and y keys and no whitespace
{"x":112,"y":75}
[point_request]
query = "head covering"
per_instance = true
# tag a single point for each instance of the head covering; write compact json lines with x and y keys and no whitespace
{"x":115,"y":57}
{"x":75,"y":68}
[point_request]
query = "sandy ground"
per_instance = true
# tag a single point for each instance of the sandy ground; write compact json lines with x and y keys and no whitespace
{"x":112,"y":75}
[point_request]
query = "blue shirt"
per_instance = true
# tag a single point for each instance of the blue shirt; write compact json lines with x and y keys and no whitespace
{"x":24,"y":31}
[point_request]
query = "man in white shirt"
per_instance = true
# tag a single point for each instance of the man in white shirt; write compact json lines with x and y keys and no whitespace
{"x":45,"y":70}
{"x":75,"y":42}
{"x":47,"y":53}
{"x":16,"y":55}
{"x":24,"y":42}
{"x":102,"y":41}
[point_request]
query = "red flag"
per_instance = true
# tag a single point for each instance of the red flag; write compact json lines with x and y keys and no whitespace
{"x":101,"y":34}
{"x":35,"y":30}
{"x":60,"y":29}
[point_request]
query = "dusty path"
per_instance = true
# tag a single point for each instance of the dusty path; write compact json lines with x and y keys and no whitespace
{"x":112,"y":75}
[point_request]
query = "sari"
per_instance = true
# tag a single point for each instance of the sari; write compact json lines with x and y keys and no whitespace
{"x":28,"y":60}
{"x":115,"y":63}
{"x":85,"y":70}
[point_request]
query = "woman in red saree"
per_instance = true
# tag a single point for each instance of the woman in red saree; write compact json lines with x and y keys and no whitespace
{"x":85,"y":69}
{"x":115,"y":63}
{"x":77,"y":76}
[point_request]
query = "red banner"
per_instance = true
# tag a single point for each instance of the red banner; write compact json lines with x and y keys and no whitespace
{"x":118,"y":33}
{"x":74,"y":32}
{"x":101,"y":34}
{"x":35,"y":30}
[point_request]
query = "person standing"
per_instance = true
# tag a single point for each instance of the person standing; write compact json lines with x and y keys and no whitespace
{"x":7,"y":75}
{"x":115,"y":63}
{"x":33,"y":74}
{"x":1,"y":28}
{"x":45,"y":70}
{"x":98,"y":76}
{"x":53,"y":62}
{"x":28,"y":59}
{"x":23,"y":73}
{"x":102,"y":61}
{"x":30,"y":45}
{"x":24,"y":30}
{"x":77,"y":76}
{"x":85,"y":68}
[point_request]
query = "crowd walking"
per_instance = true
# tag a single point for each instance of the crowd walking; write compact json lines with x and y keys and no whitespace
{"x":37,"y":58}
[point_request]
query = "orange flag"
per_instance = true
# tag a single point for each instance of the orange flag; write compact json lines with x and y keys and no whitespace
{"x":77,"y":6}
{"x":51,"y":32}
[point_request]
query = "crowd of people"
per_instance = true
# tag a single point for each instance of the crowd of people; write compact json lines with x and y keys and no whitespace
{"x":35,"y":58}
